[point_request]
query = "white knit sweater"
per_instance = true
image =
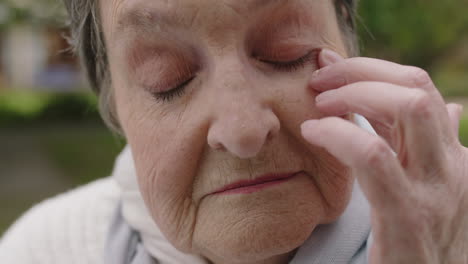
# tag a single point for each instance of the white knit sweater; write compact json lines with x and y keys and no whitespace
{"x":43,"y":235}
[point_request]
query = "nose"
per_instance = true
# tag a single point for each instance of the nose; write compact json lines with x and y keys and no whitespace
{"x":244,"y":120}
{"x":243,"y":131}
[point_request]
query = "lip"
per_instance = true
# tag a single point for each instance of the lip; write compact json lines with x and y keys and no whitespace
{"x":250,"y":186}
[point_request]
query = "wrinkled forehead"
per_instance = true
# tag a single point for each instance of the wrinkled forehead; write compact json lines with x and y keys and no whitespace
{"x":125,"y":16}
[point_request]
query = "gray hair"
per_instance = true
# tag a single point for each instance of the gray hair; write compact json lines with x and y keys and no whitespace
{"x":87,"y":40}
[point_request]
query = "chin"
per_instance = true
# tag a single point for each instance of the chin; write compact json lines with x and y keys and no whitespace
{"x":257,"y":228}
{"x":260,"y":249}
{"x":257,"y":242}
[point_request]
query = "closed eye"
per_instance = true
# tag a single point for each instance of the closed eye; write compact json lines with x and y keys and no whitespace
{"x":173,"y":93}
{"x":294,"y":65}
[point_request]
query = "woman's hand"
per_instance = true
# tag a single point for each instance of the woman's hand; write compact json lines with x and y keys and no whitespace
{"x":419,"y":198}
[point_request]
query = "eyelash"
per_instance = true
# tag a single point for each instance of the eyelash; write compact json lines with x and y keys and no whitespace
{"x":295,"y":65}
{"x":173,"y":93}
{"x":288,"y":66}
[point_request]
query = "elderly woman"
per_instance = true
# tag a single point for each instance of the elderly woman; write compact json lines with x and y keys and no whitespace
{"x":244,"y":146}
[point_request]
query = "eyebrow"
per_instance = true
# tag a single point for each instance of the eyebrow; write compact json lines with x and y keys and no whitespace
{"x":149,"y":20}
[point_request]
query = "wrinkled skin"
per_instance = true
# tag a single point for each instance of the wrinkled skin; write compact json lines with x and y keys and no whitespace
{"x":419,"y":197}
{"x":239,"y":118}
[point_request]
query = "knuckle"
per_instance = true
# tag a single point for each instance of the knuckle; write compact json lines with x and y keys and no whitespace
{"x":419,"y":77}
{"x":419,"y":105}
{"x":376,"y":152}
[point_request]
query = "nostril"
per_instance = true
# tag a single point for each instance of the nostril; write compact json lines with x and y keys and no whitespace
{"x":269,"y":136}
{"x":274,"y":129}
{"x":243,"y":135}
{"x":219,"y":147}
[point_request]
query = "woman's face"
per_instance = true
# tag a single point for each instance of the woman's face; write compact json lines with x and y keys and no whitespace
{"x":211,"y":95}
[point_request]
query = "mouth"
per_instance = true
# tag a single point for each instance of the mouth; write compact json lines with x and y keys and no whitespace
{"x":250,"y":186}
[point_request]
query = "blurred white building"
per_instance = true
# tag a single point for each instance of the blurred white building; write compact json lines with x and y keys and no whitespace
{"x":25,"y":55}
{"x":33,"y":51}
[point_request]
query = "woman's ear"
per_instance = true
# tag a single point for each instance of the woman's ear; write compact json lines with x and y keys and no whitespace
{"x":344,"y":11}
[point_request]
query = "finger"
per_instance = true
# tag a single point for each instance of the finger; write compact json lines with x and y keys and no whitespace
{"x":370,"y":158}
{"x":378,"y":101}
{"x":455,"y":113}
{"x":338,"y":72}
{"x":328,"y":57}
{"x":426,"y":134}
{"x":416,"y":128}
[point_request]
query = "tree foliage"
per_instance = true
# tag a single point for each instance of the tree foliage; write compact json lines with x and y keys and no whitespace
{"x":37,"y":12}
{"x":417,"y":32}
{"x":429,"y":34}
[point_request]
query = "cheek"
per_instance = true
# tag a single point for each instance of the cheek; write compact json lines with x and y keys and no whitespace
{"x":166,"y":150}
{"x":156,"y":151}
{"x":295,"y":102}
{"x":330,"y":176}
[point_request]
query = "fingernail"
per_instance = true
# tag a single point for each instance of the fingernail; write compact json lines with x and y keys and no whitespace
{"x":328,"y":57}
{"x":309,"y":124}
{"x":316,"y":73}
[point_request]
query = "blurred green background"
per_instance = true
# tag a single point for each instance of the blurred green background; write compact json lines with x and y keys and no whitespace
{"x":51,"y":136}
